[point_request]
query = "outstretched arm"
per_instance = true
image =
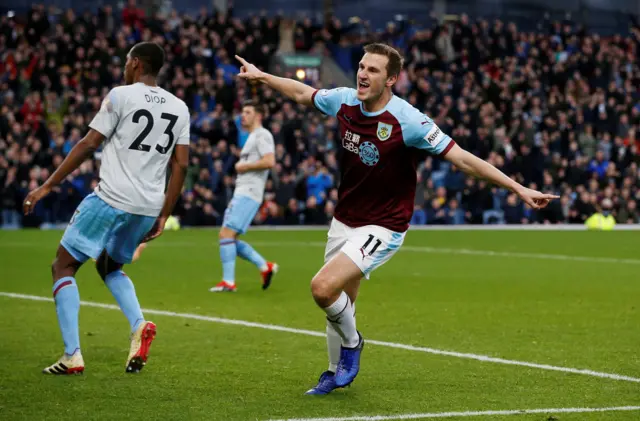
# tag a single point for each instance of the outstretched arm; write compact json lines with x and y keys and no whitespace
{"x":80,"y":152}
{"x":297,"y":91}
{"x":476,"y":167}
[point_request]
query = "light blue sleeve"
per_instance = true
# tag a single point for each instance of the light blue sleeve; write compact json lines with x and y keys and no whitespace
{"x":420,"y":131}
{"x":329,"y":101}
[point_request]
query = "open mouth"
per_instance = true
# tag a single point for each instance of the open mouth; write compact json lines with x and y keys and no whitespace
{"x":363,"y":86}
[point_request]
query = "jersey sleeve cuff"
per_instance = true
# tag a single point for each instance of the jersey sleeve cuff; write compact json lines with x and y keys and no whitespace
{"x":100,"y":130}
{"x":446,"y":150}
{"x":313,"y":101}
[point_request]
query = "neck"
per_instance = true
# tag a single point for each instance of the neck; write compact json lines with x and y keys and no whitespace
{"x":376,"y":104}
{"x":255,"y":127}
{"x":147,"y":80}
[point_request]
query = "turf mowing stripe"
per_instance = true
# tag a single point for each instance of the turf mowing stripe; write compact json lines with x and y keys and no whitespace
{"x":417,"y":249}
{"x":471,"y":252}
{"x":468,"y":414}
{"x":483,"y":358}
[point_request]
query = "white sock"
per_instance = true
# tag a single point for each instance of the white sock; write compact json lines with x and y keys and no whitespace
{"x":333,"y":344}
{"x":340,"y":316}
{"x":333,"y":347}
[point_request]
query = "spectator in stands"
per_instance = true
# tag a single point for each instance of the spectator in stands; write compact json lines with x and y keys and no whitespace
{"x":552,"y":108}
{"x":318,"y":183}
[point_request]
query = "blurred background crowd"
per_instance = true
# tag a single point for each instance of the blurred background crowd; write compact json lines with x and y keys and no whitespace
{"x":557,"y":108}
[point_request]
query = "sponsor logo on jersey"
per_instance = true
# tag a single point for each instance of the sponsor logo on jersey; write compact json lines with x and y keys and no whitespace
{"x":435,"y":136}
{"x":350,"y":141}
{"x":384,"y":131}
{"x":369,"y":154}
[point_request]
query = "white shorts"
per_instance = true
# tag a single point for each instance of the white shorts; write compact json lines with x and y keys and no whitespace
{"x":369,"y":247}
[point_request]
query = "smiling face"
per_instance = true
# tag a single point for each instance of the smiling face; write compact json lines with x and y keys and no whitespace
{"x":373,"y":78}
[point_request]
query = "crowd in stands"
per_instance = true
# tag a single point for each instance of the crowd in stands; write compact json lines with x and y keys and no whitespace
{"x":558,"y":110}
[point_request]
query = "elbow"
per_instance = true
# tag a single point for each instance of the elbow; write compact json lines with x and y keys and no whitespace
{"x":180,"y":160}
{"x":465,"y":167}
{"x":271,"y":163}
{"x":181,"y":168}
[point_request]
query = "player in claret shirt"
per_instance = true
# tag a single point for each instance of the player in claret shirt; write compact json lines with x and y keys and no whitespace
{"x":383,"y":138}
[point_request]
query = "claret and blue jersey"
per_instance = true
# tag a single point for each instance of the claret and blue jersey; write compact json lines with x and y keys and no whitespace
{"x":380,"y":157}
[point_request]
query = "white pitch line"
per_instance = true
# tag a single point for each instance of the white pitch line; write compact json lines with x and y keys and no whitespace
{"x":469,"y":414}
{"x":476,"y":357}
{"x":471,"y":252}
{"x":417,"y":249}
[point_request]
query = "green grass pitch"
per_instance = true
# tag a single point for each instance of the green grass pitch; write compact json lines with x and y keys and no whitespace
{"x":535,"y":302}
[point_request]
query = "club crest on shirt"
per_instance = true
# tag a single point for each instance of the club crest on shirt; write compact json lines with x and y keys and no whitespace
{"x":384,"y":131}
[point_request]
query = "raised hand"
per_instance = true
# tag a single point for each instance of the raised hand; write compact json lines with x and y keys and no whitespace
{"x":536,"y":199}
{"x":248,"y":71}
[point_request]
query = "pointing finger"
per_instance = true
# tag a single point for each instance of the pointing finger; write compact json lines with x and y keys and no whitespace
{"x":532,"y":203}
{"x":241,"y":60}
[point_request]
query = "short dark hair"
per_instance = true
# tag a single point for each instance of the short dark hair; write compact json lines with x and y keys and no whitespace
{"x":394,"y":66}
{"x":151,"y":55}
{"x":260,"y":109}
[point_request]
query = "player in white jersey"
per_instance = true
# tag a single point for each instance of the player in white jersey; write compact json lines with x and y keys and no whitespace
{"x":144,"y":129}
{"x":256,"y":159}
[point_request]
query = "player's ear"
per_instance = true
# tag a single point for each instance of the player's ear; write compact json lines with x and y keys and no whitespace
{"x":135,"y":63}
{"x":391,"y":80}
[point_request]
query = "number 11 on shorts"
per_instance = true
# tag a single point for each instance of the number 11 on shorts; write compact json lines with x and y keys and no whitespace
{"x":368,"y":243}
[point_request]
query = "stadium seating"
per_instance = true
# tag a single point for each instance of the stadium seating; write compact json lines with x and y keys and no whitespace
{"x":555,"y":108}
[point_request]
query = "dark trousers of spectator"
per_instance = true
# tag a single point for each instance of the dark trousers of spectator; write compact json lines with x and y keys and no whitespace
{"x":11,"y":219}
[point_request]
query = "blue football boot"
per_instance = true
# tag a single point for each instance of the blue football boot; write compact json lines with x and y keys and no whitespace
{"x":326,"y":384}
{"x":349,"y":364}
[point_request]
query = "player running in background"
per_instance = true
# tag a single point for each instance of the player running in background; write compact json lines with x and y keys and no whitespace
{"x":256,"y":159}
{"x":144,"y":129}
{"x":383,"y":139}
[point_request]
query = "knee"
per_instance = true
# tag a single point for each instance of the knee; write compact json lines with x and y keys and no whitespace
{"x":101,"y":269}
{"x":60,"y":269}
{"x":323,"y":291}
{"x":226,"y":234}
{"x":105,"y":266}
